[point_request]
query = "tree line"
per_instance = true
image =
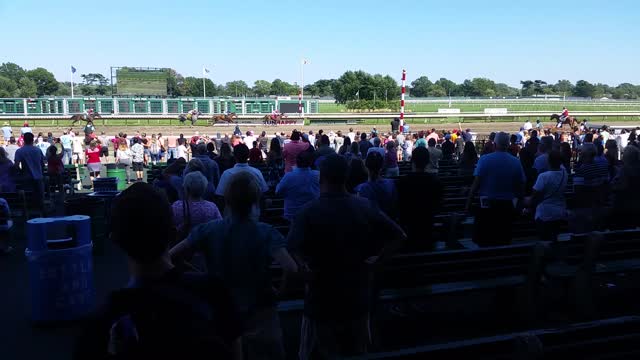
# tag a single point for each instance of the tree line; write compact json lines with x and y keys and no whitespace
{"x":352,"y":86}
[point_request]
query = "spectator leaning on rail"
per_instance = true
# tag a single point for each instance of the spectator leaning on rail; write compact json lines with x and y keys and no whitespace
{"x":499,"y":179}
{"x":163,"y":313}
{"x":332,"y":238}
{"x":240,"y":249}
{"x":299,"y":186}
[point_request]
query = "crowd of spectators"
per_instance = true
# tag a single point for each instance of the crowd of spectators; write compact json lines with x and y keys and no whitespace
{"x":347,"y":205}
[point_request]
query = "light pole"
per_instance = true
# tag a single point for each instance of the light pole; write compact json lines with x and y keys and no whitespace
{"x":303,"y":62}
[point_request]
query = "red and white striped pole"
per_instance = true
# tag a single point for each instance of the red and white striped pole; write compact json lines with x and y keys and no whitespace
{"x":300,"y":101}
{"x":404,"y":89}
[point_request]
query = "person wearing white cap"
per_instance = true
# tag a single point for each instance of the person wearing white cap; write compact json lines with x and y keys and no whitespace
{"x":499,"y":179}
{"x":7,"y":132}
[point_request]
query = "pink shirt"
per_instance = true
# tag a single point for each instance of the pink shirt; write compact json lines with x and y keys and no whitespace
{"x":290,"y":153}
{"x":433,"y":135}
{"x":171,"y":141}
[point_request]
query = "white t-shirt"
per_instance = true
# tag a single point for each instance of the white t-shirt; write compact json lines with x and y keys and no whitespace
{"x":77,"y":144}
{"x":249,"y":141}
{"x":605,"y":137}
{"x":182,"y":152}
{"x":528,"y":126}
{"x":624,"y":140}
{"x":123,"y":154}
{"x":352,"y":136}
{"x":551,"y":185}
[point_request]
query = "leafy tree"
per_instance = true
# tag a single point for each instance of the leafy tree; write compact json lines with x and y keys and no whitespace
{"x":261,"y":88}
{"x":420,"y":87}
{"x":279,"y":87}
{"x":539,"y":86}
{"x":449,"y":86}
{"x":94,"y":83}
{"x":46,"y":83}
{"x":87,"y":90}
{"x":8,"y":87}
{"x":478,"y":87}
{"x":584,"y":89}
{"x":354,"y":85}
{"x":12,"y":71}
{"x":320,"y":88}
{"x":563,"y":87}
{"x":527,"y":87}
{"x":236,"y":88}
{"x":64,"y":89}
{"x":504,"y":90}
{"x":437,"y":91}
{"x":27,"y":88}
{"x":175,"y":83}
{"x":626,"y":91}
{"x":192,"y":86}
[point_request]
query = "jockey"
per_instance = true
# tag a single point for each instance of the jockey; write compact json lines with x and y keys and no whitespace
{"x":85,"y":114}
{"x":274,"y":114}
{"x":563,"y":117}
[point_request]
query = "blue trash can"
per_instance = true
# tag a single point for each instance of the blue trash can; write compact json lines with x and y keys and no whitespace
{"x":60,"y":268}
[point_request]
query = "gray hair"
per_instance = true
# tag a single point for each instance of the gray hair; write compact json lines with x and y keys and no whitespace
{"x":502,"y":140}
{"x":195,"y":185}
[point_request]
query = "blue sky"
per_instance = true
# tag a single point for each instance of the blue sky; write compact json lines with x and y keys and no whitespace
{"x":507,"y":41}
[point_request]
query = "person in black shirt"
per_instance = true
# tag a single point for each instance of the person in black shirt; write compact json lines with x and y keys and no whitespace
{"x":336,"y":237}
{"x":448,"y":148}
{"x":163,"y":312}
{"x":419,"y":198}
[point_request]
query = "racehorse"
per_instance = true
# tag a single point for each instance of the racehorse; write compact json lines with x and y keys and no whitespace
{"x":568,"y":121}
{"x":273,"y":120}
{"x":193,"y":117}
{"x":225,"y":118}
{"x":81,"y":117}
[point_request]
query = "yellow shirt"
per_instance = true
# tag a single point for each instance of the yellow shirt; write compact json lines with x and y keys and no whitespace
{"x":454,"y":137}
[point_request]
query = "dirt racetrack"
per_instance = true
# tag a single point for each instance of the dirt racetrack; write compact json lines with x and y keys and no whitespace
{"x":481,"y":128}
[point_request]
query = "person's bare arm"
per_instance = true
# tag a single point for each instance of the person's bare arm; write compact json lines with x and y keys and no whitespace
{"x":472,"y":193}
{"x":182,"y":252}
{"x":288,"y":265}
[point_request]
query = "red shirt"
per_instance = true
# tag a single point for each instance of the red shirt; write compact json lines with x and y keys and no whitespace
{"x":290,"y":153}
{"x":255,"y":155}
{"x":565,"y":113}
{"x":93,"y":155}
{"x":55,"y":166}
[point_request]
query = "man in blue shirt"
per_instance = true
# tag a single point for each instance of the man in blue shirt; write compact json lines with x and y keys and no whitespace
{"x":29,"y":160}
{"x":299,"y":186}
{"x":67,"y":152}
{"x":499,"y":179}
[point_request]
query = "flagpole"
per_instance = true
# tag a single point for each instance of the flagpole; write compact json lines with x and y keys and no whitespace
{"x":204,"y":84}
{"x":72,"y":82}
{"x":302,"y":85}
